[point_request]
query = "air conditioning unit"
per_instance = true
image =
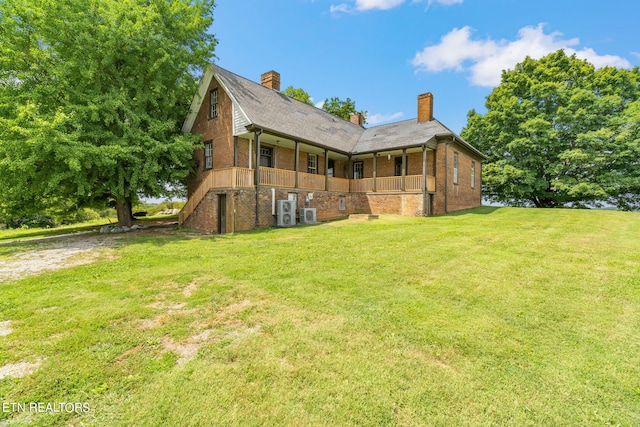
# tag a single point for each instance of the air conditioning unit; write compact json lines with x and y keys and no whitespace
{"x":308,"y":215}
{"x":286,"y":213}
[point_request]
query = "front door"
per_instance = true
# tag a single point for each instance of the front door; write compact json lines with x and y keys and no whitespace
{"x":222,"y":213}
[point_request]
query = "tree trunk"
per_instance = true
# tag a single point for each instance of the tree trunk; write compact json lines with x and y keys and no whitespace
{"x":125,"y":213}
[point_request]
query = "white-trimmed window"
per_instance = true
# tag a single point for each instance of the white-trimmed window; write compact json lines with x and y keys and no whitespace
{"x":213,"y":100}
{"x":358,"y":170}
{"x":312,"y":163}
{"x":455,"y":168}
{"x":208,"y":155}
{"x":473,"y":174}
{"x":266,"y":157}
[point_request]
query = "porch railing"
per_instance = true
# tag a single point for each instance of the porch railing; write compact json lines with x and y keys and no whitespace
{"x":277,"y":177}
{"x":311,"y":181}
{"x":340,"y":185}
{"x":361,"y":185}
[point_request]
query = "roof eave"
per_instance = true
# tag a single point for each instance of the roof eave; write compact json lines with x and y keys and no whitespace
{"x":462,"y":142}
{"x":430,"y":143}
{"x":256,"y":127}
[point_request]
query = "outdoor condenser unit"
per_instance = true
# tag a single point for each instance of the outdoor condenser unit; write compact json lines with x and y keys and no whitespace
{"x":308,"y":215}
{"x":286,"y":213}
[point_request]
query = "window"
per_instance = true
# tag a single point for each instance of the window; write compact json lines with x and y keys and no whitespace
{"x":208,"y":155}
{"x":473,"y":174}
{"x":213,"y":99}
{"x":312,"y":163}
{"x":455,"y":168}
{"x":358,"y":170}
{"x":266,"y":157}
{"x":332,"y":165}
{"x":397,"y":170}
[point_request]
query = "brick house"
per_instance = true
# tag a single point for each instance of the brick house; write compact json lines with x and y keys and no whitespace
{"x":261,"y":146}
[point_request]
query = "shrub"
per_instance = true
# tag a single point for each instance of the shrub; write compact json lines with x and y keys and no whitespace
{"x":32,"y":221}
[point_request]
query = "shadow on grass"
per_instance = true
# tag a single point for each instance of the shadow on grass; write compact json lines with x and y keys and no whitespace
{"x":482,"y":210}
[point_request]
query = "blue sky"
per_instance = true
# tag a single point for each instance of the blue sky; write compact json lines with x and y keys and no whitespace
{"x":383,"y":53}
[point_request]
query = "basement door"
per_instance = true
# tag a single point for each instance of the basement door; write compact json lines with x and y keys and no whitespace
{"x":222,"y":213}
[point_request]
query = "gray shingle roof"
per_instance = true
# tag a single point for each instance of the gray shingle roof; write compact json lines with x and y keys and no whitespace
{"x":270,"y":109}
{"x":400,"y":135}
{"x":275,"y":112}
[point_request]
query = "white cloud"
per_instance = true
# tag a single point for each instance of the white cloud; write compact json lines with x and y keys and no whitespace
{"x":375,"y":119}
{"x":319,"y":104}
{"x":636,"y":54}
{"x":484,"y":60}
{"x":445,"y":2}
{"x":364,"y":5}
{"x":344,"y":8}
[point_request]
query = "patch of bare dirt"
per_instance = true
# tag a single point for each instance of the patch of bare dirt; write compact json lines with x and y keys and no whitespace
{"x":68,"y":252}
{"x":223,"y":324}
{"x":19,"y":370}
{"x":5,"y":328}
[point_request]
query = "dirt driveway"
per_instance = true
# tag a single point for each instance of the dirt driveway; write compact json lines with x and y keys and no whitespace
{"x":53,"y":255}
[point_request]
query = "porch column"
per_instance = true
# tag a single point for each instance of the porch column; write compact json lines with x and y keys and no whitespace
{"x":296,"y":165}
{"x":425,"y":210}
{"x":349,"y":171}
{"x":375,"y":171}
{"x":404,"y":169}
{"x":326,"y":168}
{"x":257,"y":175}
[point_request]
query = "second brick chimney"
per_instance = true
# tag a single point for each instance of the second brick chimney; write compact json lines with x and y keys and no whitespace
{"x":356,"y":118}
{"x":425,"y":107}
{"x":271,"y":79}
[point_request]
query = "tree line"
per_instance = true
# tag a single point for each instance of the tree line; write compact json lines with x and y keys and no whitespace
{"x":560,"y":133}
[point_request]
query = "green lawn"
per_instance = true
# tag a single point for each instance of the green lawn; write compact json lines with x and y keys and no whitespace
{"x":489,"y":317}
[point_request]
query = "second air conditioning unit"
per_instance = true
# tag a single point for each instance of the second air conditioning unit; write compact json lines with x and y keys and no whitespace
{"x":308,"y":215}
{"x":286,"y":213}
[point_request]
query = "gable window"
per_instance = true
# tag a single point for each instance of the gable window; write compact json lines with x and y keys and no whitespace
{"x":473,"y":174}
{"x":208,"y":155}
{"x":266,"y":157}
{"x":358,"y":170}
{"x":312,"y":164}
{"x":455,"y":168}
{"x":213,"y":100}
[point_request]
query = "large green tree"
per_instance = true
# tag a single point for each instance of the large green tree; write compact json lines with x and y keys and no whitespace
{"x":558,"y":132}
{"x":92,"y":96}
{"x":343,"y":109}
{"x":299,"y":94}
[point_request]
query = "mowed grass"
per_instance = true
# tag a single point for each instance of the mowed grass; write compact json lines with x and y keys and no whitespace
{"x":488,"y":317}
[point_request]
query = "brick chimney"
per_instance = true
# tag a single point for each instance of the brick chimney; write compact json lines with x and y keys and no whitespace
{"x":425,"y":107}
{"x":356,"y":118}
{"x":271,"y":79}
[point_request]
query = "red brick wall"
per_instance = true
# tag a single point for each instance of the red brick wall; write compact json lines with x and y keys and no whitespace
{"x":460,"y":195}
{"x":241,"y":206}
{"x":243,"y":153}
{"x":409,"y":204}
{"x":219,"y":130}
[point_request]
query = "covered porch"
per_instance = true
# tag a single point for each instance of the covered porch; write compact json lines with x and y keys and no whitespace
{"x":274,"y":160}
